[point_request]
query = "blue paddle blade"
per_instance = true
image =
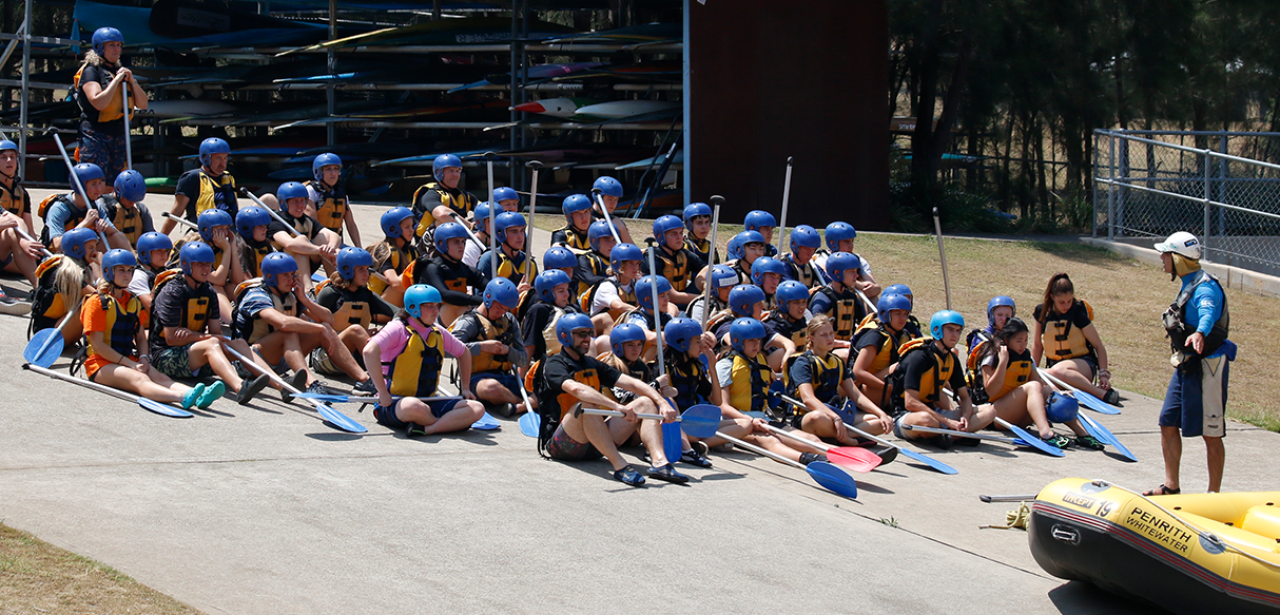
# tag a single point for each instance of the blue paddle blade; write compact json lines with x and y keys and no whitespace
{"x":1095,"y":404}
{"x":1096,"y":430}
{"x":318,"y":277}
{"x":530,"y":424}
{"x":328,"y":398}
{"x":342,"y":421}
{"x":44,"y":348}
{"x":701,"y":421}
{"x":1033,"y":441}
{"x":833,"y":478}
{"x":671,"y":441}
{"x":486,"y":423}
{"x":164,"y":409}
{"x":929,"y":461}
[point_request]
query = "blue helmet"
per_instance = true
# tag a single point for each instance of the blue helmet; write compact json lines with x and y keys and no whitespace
{"x":572,"y":322}
{"x":767,"y":264}
{"x":1061,"y":408}
{"x":503,"y":291}
{"x":623,"y":333}
{"x":290,"y":190}
{"x":442,"y":162}
{"x":322,"y":161}
{"x":275,"y":264}
{"x":805,"y":236}
{"x":574,"y":203}
{"x":211,"y":146}
{"x":447,"y":231}
{"x":74,"y":240}
{"x":723,"y":276}
{"x":153,"y":241}
{"x":596,"y":231}
{"x":693,"y":210}
{"x":483,"y":210}
{"x":838,"y":232}
{"x":740,"y":241}
{"x":998,"y":301}
{"x":899,"y":289}
{"x":505,"y":193}
{"x":208,"y":220}
{"x":349,"y":258}
{"x":559,"y":257}
{"x":547,"y":281}
{"x":506,"y":220}
{"x":250,"y":218}
{"x":116,"y":258}
{"x":644,"y":290}
{"x":391,"y":219}
{"x":744,"y":329}
{"x":105,"y":35}
{"x":624,"y":252}
{"x":758,"y":219}
{"x":840,"y":262}
{"x":743,"y":299}
{"x":788,"y":291}
{"x":665,"y":224}
{"x":608,"y":186}
{"x":418,"y":294}
{"x":888,"y":303}
{"x":198,"y":252}
{"x":6,"y":144}
{"x":131,"y":186}
{"x":944,"y":317}
{"x":87,"y":172}
{"x":680,"y":333}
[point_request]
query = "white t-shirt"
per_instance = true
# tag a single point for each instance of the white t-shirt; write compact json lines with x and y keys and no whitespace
{"x":138,"y":286}
{"x":606,"y":295}
{"x":471,"y":255}
{"x":724,"y":371}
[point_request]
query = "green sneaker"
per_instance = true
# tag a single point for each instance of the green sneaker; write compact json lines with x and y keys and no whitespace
{"x":1090,"y":442}
{"x":1057,"y":441}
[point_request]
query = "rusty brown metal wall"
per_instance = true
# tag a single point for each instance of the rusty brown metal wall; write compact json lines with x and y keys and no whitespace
{"x":803,"y":79}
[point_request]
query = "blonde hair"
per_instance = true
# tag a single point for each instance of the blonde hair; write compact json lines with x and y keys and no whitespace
{"x":816,"y":324}
{"x":68,"y":280}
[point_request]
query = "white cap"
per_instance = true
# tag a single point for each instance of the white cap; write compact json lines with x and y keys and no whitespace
{"x":1183,"y":243}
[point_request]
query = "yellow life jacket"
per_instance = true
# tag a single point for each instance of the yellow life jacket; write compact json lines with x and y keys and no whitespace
{"x":259,"y":328}
{"x":509,"y":269}
{"x":503,"y":331}
{"x":210,"y":189}
{"x":804,"y":274}
{"x":252,"y":260}
{"x":398,"y":260}
{"x":127,"y":220}
{"x":415,"y":372}
{"x":47,"y":302}
{"x":674,"y":268}
{"x":305,"y":226}
{"x":549,"y":337}
{"x":629,"y":296}
{"x":846,"y":310}
{"x":112,"y":111}
{"x":1062,"y":340}
{"x":797,"y":332}
{"x":16,"y":200}
{"x":331,"y":211}
{"x":77,"y":214}
{"x":931,"y":382}
{"x":122,"y":324}
{"x":599,"y":267}
{"x":349,"y":312}
{"x":461,"y":203}
{"x":194,"y":315}
{"x":890,"y":351}
{"x":577,"y":241}
{"x":701,"y":247}
{"x":589,"y":377}
{"x":1015,"y":375}
{"x":749,"y":386}
{"x":827,"y":374}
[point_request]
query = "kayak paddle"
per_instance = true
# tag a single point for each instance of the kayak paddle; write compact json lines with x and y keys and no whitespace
{"x":921,"y":457}
{"x":855,"y":458}
{"x":337,"y":419}
{"x":1031,"y":440}
{"x":147,"y":404}
{"x":698,"y":421}
{"x":530,"y":423}
{"x":823,"y":473}
{"x":46,"y":345}
{"x":1086,"y":399}
{"x":1096,"y":430}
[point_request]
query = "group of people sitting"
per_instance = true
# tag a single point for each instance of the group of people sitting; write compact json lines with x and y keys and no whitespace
{"x":807,"y":341}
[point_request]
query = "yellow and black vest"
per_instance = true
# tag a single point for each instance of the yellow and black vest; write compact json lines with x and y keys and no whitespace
{"x":254,"y":329}
{"x":1015,"y":375}
{"x":687,"y":376}
{"x":503,"y":331}
{"x":462,"y":203}
{"x":194,"y":315}
{"x":351,"y":310}
{"x":889,"y":347}
{"x":598,"y":265}
{"x":627,"y":296}
{"x":251,"y":256}
{"x":305,"y":225}
{"x":932,"y":381}
{"x":846,"y":311}
{"x":397,"y":259}
{"x":77,"y":215}
{"x":219,"y":193}
{"x":415,"y":372}
{"x":805,"y":274}
{"x":750,"y":378}
{"x":113,"y":111}
{"x":16,"y":200}
{"x":673,"y":267}
{"x":827,"y":373}
{"x":122,"y":324}
{"x":701,"y":247}
{"x":575,"y":240}
{"x":47,"y":304}
{"x":127,"y":220}
{"x":795,"y":330}
{"x":516,"y":269}
{"x":1061,"y":338}
{"x":331,"y":211}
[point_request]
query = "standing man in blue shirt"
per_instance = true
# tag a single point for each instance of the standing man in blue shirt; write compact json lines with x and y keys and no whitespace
{"x":1197,"y":324}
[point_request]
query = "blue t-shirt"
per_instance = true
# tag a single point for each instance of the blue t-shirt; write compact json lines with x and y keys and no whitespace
{"x":60,"y":211}
{"x":1205,"y":307}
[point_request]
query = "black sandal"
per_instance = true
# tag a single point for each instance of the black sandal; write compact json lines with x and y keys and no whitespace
{"x":1161,"y":490}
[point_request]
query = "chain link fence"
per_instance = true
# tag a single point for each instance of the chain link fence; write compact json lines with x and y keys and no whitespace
{"x":1222,"y":186}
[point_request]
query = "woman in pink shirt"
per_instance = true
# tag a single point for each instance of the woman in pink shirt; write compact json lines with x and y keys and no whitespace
{"x":411,"y":352}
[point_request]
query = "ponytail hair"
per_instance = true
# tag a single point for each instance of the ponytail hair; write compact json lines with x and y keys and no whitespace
{"x":815,"y":324}
{"x":1012,"y":327}
{"x":1059,"y":284}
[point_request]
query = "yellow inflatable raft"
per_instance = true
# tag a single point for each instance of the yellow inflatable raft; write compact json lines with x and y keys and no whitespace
{"x":1204,"y":553}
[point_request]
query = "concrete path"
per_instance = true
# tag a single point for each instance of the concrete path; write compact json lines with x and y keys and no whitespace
{"x":264,"y":509}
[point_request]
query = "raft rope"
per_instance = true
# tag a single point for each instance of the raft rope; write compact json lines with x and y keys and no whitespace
{"x":1204,"y":534}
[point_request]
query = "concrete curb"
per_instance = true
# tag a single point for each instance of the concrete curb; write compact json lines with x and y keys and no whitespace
{"x":1232,"y":277}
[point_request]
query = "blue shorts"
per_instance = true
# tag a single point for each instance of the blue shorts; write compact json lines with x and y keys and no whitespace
{"x":106,"y":151}
{"x":506,"y":378}
{"x":1196,"y":400}
{"x":387,"y":416}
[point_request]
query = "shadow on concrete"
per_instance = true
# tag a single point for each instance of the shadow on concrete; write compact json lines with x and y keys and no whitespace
{"x":1078,"y":598}
{"x":334,"y":436}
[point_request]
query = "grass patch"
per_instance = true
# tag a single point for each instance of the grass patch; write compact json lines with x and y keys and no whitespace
{"x":36,"y":577}
{"x":1127,"y":297}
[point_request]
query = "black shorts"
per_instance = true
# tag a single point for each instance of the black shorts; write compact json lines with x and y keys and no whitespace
{"x":386,"y":416}
{"x":1090,"y":359}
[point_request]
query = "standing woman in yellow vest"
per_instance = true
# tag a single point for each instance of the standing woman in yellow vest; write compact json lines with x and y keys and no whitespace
{"x":99,"y":89}
{"x":209,"y":186}
{"x":1066,"y":338}
{"x":116,"y":325}
{"x":328,"y":200}
{"x":392,"y":255}
{"x":409,"y":354}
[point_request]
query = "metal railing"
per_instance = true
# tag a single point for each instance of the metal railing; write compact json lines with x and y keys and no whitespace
{"x":1225,"y":189}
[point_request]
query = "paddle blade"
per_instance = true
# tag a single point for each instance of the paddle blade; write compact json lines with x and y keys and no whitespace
{"x":833,"y":478}
{"x":486,"y":423}
{"x":1031,"y":440}
{"x":163,"y":409}
{"x":1095,"y":404}
{"x":701,"y":421}
{"x":328,"y":398}
{"x":44,"y":348}
{"x":671,"y":441}
{"x":929,"y":461}
{"x":340,"y":420}
{"x":1096,"y":430}
{"x":854,"y":458}
{"x":530,"y":424}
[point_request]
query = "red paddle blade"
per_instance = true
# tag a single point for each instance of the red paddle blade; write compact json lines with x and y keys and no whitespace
{"x":854,"y":458}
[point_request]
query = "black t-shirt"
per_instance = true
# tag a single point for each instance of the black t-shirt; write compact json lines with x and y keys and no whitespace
{"x":560,"y":368}
{"x":802,"y":372}
{"x":88,"y":114}
{"x":1078,"y":315}
{"x":224,"y":197}
{"x":299,"y":224}
{"x":535,"y":323}
{"x":451,"y":278}
{"x":171,"y":306}
{"x":332,"y":299}
{"x":916,"y":364}
{"x":874,"y":338}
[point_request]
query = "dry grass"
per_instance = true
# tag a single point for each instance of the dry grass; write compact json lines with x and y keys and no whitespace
{"x":1127,"y":297}
{"x":36,"y":577}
